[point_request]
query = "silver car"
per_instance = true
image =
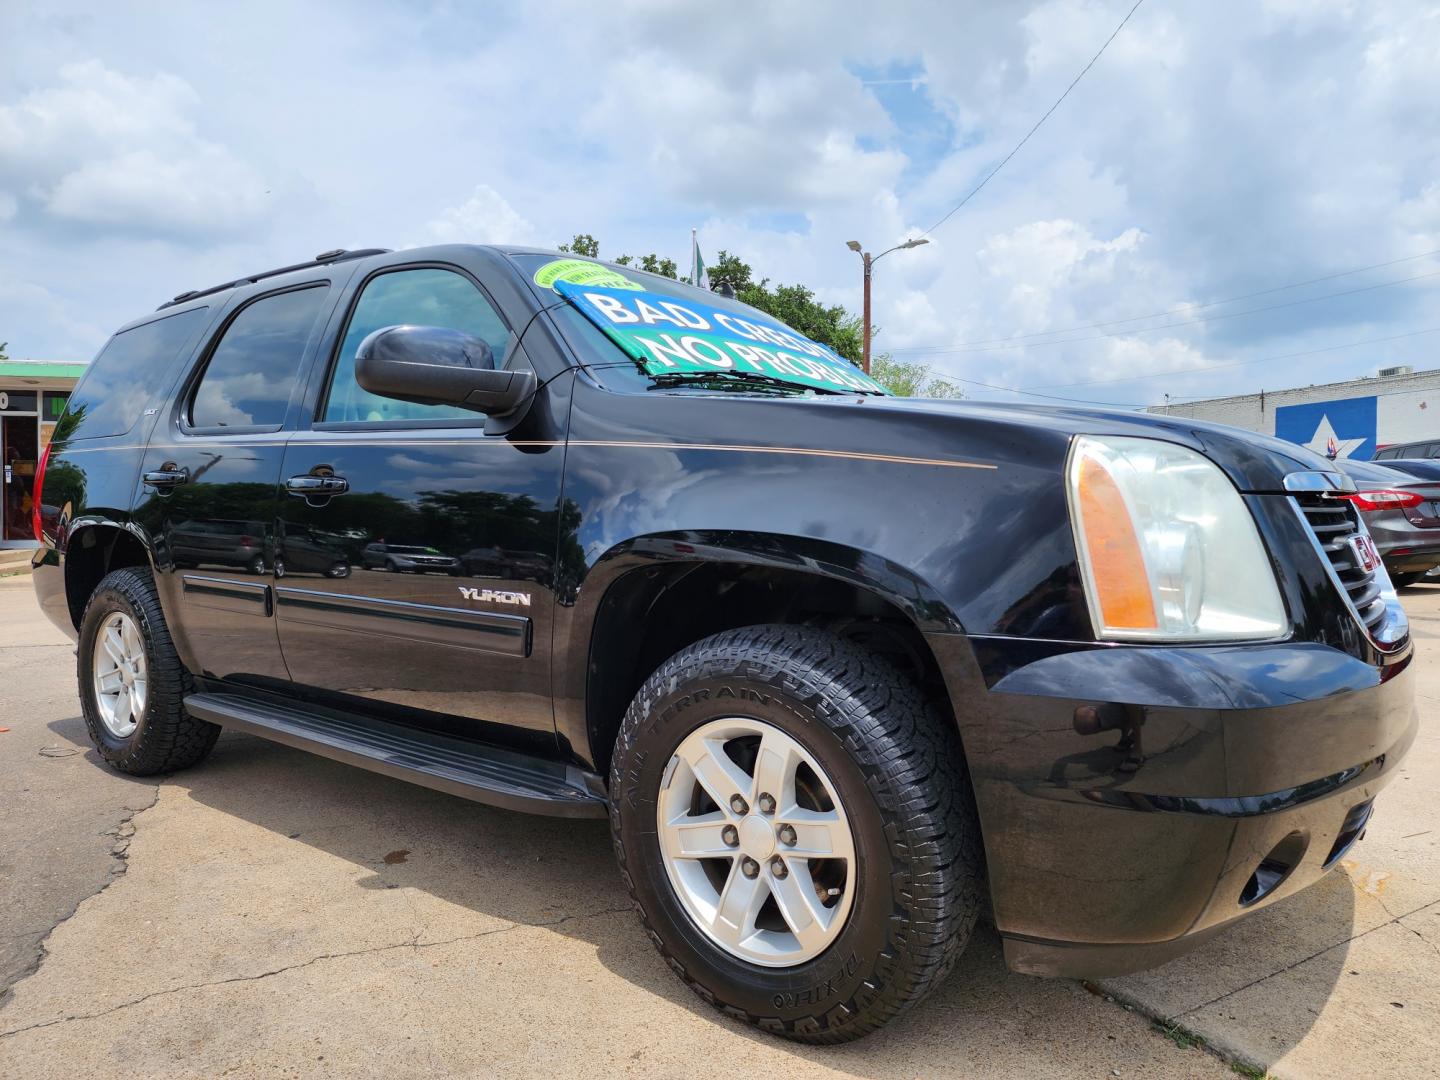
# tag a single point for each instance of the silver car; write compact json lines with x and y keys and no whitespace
{"x":1400,"y":502}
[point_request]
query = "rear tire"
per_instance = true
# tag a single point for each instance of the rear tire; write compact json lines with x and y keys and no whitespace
{"x":134,"y":711}
{"x":1401,"y":581}
{"x":912,"y":884}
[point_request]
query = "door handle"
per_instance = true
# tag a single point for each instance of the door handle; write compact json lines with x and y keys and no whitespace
{"x":167,"y":477}
{"x":306,"y":486}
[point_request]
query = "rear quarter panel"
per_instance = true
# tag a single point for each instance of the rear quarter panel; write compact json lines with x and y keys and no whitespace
{"x":90,"y":482}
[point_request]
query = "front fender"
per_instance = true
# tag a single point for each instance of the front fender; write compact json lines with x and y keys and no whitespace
{"x":892,"y":582}
{"x":621,"y":588}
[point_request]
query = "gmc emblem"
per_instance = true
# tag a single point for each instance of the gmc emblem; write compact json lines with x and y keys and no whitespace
{"x":1363,"y":548}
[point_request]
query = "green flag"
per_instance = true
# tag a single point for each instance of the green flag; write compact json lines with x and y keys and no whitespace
{"x":698,"y":274}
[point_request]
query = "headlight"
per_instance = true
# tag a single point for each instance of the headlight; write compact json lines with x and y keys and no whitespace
{"x":1168,"y":549}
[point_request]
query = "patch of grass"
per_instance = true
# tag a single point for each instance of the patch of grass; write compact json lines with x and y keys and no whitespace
{"x":1186,"y":1040}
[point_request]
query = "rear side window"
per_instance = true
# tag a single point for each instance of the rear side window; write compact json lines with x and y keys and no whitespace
{"x":424,"y":296}
{"x":251,"y":372}
{"x":122,"y":379}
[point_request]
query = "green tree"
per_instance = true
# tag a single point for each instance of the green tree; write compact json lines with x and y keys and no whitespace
{"x":582,"y":244}
{"x":3,"y":354}
{"x":651,"y":264}
{"x":911,"y":379}
{"x":797,"y":306}
{"x":794,"y":305}
{"x":729,"y":270}
{"x":587,"y":245}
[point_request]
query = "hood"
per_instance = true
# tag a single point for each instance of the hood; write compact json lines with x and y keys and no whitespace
{"x":1255,"y":463}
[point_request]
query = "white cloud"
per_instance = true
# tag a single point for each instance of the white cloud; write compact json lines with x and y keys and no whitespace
{"x":484,"y":218}
{"x":1210,"y":153}
{"x":1034,"y":261}
{"x":733,"y":125}
{"x":51,"y":327}
{"x":104,"y":149}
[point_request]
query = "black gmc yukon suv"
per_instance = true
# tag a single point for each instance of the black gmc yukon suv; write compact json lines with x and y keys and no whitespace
{"x":839,"y":667}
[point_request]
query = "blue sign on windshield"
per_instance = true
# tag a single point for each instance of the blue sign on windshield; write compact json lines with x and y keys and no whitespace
{"x":667,"y":335}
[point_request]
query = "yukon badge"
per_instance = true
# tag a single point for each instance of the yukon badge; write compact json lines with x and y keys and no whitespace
{"x":496,"y":596}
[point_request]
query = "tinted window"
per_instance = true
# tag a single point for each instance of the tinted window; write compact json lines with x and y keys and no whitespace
{"x":248,"y":381}
{"x":121,"y":380}
{"x":422,"y":297}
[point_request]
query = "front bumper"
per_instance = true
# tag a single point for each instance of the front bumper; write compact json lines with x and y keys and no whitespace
{"x":1134,"y":800}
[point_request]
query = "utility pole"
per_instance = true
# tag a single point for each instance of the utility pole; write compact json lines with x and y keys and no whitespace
{"x":870,"y":261}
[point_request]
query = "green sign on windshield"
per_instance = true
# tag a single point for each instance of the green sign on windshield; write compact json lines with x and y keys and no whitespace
{"x":667,"y":336}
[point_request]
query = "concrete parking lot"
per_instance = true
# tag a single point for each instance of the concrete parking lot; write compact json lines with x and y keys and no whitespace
{"x":271,"y":913}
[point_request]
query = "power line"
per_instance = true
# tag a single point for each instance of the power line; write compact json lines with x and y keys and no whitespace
{"x":1185,"y":308}
{"x":946,"y":350}
{"x":1035,"y":391}
{"x":1238,"y":363}
{"x":976,"y":190}
{"x":1032,"y":393}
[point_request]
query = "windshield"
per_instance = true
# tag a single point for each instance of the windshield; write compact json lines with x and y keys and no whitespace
{"x":675,"y":335}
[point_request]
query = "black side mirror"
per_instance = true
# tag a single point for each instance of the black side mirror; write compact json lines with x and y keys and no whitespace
{"x":431,"y":365}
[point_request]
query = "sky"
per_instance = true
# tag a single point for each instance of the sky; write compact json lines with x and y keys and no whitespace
{"x":1189,"y":221}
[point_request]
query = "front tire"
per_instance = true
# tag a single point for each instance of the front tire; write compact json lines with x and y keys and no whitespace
{"x":822,"y":910}
{"x":132,"y":684}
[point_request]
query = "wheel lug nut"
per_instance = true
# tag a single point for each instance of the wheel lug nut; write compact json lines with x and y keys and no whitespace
{"x":749,"y":867}
{"x":767,"y":803}
{"x":730,"y":835}
{"x":738,"y":804}
{"x":777,"y":867}
{"x":787,"y":835}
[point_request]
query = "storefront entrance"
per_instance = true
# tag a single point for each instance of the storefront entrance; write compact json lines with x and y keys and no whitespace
{"x":20,"y":438}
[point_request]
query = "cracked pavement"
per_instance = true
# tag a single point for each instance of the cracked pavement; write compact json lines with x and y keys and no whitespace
{"x":269,"y":912}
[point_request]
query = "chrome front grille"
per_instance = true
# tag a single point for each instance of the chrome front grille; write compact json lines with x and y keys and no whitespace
{"x":1334,"y":522}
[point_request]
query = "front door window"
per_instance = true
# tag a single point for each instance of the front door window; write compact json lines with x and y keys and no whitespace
{"x":424,"y":296}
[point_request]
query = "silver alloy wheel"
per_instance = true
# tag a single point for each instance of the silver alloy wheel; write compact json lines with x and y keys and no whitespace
{"x":763,"y":861}
{"x":118,"y":663}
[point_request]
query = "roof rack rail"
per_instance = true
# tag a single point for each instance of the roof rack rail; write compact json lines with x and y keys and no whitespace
{"x":323,"y":259}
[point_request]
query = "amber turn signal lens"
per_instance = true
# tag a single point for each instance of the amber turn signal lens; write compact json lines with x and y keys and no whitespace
{"x":1121,"y":585}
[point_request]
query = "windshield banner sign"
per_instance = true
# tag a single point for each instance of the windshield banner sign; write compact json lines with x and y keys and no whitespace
{"x":669,"y":336}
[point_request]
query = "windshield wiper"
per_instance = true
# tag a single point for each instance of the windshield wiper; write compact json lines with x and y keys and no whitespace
{"x":737,"y":378}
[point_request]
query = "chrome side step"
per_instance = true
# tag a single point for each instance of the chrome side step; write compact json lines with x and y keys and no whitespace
{"x":486,"y":774}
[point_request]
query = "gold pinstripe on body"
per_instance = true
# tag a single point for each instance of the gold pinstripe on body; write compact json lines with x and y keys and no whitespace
{"x":854,"y":455}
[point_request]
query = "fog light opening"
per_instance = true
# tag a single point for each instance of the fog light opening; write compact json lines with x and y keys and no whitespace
{"x":1274,"y":869}
{"x":1351,"y":830}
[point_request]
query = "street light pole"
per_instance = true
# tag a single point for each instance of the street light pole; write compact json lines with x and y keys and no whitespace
{"x":865,"y":348}
{"x":870,"y":261}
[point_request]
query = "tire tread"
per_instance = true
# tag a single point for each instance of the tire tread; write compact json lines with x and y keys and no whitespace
{"x":169,"y":738}
{"x":913,"y":766}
